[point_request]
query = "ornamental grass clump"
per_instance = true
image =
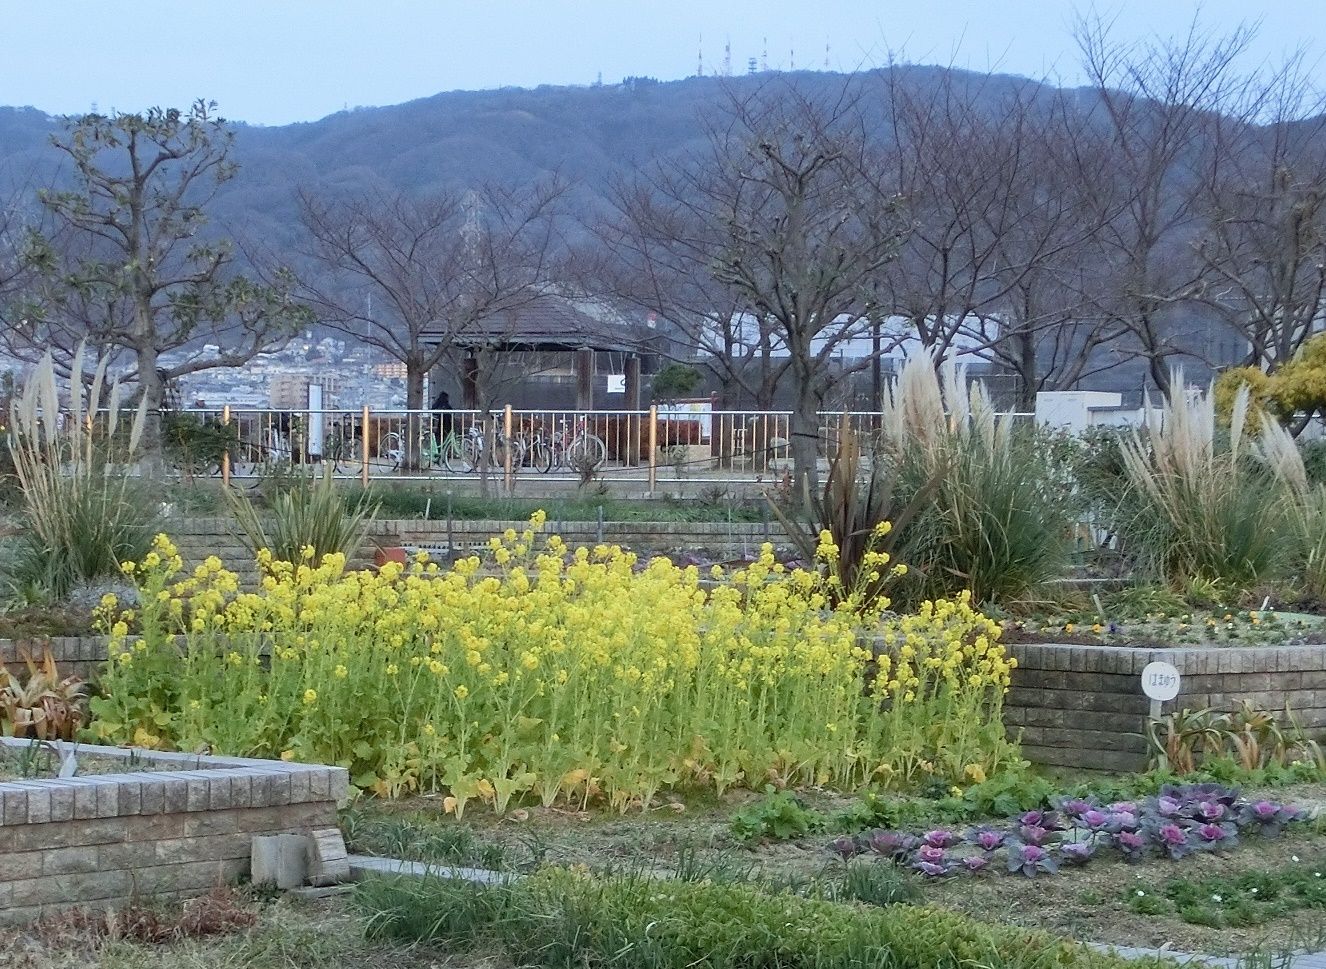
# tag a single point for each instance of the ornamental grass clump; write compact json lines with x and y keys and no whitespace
{"x":545,"y":673}
{"x":994,"y":519}
{"x":83,"y":511}
{"x":1207,"y":505}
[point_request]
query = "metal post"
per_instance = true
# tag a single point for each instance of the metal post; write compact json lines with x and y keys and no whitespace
{"x":225,"y":455}
{"x":653,"y":447}
{"x":363,"y":448}
{"x":509,"y":483}
{"x":600,"y":529}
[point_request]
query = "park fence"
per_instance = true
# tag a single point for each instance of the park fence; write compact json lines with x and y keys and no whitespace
{"x":641,"y":448}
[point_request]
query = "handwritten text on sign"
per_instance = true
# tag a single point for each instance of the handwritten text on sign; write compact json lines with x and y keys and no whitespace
{"x":1160,"y":681}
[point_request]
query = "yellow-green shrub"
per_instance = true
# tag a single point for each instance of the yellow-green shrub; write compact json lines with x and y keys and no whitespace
{"x":541,"y":671}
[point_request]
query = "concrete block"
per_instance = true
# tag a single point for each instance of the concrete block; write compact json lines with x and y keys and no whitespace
{"x":328,"y":860}
{"x":280,"y":860}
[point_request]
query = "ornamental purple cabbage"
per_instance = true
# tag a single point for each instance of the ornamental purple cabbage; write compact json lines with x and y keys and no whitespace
{"x":1123,"y":821}
{"x":930,"y":853}
{"x":1033,"y":834}
{"x":890,"y":844}
{"x":1076,"y":807}
{"x":1048,"y":820}
{"x":1030,"y":860}
{"x":1095,"y":820}
{"x":1217,"y":837}
{"x":845,"y":847}
{"x":1168,"y":807}
{"x":1131,"y":845}
{"x":975,"y":863}
{"x":987,"y":839}
{"x":1173,"y":840}
{"x":1077,"y":852}
{"x":940,"y":838}
{"x":931,"y":870}
{"x":1269,"y":818}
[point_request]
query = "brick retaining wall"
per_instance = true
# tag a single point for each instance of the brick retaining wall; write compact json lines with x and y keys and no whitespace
{"x":102,"y":839}
{"x":1083,"y":706}
{"x":80,"y":656}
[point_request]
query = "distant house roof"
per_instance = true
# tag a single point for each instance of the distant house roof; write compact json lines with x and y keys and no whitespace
{"x":550,"y":324}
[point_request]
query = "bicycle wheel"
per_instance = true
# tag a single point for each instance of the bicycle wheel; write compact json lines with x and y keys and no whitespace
{"x":587,"y":449}
{"x":540,"y":457}
{"x":389,"y":449}
{"x":472,"y":452}
{"x":453,"y":455}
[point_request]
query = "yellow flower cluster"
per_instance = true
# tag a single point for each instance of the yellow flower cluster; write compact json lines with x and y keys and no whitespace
{"x":539,"y":671}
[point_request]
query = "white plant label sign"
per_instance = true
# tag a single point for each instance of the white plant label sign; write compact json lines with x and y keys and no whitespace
{"x":1160,"y":681}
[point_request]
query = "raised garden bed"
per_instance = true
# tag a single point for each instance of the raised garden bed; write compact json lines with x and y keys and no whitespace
{"x":181,"y":828}
{"x":1082,"y":706}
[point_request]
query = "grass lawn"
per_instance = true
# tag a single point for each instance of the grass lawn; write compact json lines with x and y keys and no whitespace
{"x":1094,"y":903}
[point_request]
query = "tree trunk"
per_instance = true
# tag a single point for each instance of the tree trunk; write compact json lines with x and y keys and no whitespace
{"x":153,"y":389}
{"x":1026,"y":371}
{"x":414,"y":401}
{"x":805,"y":434}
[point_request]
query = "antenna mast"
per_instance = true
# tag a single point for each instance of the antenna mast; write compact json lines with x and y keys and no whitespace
{"x":699,"y":60}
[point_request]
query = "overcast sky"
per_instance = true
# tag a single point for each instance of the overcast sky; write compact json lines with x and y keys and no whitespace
{"x":277,"y":61}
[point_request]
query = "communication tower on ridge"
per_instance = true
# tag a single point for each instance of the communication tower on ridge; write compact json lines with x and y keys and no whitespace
{"x":699,"y":60}
{"x":764,"y":58}
{"x":727,"y":57}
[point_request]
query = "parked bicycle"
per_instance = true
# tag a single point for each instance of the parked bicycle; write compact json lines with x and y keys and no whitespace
{"x":476,"y":452}
{"x":449,"y":453}
{"x":344,"y":443}
{"x":578,"y":449}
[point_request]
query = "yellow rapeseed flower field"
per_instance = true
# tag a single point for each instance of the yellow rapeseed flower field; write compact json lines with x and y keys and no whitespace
{"x":540,"y":672}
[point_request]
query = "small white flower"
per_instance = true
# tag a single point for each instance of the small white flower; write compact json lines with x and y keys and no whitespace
{"x":1216,"y":898}
{"x":1141,"y":894}
{"x":1293,"y":857}
{"x":1316,"y":874}
{"x":1252,"y":891}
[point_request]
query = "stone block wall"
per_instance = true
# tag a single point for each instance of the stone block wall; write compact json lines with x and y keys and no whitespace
{"x":198,"y":538}
{"x":1083,"y":706}
{"x":106,"y":839}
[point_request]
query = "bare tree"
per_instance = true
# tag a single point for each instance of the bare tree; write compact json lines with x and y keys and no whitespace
{"x":1034,"y":316}
{"x":128,"y":266}
{"x":790,"y":210}
{"x":1264,"y":207}
{"x":968,"y":167}
{"x":1153,"y":102}
{"x":413,"y":276}
{"x":636,"y":257}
